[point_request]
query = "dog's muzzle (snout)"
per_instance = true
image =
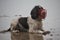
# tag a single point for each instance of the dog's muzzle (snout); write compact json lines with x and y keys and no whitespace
{"x":42,"y":13}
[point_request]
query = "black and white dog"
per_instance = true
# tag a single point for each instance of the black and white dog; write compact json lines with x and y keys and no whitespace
{"x":31,"y":24}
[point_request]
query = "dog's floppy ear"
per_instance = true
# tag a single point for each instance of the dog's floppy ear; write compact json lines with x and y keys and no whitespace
{"x":38,"y":12}
{"x":34,"y":12}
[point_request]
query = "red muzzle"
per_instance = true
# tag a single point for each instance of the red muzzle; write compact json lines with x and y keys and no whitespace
{"x":42,"y":13}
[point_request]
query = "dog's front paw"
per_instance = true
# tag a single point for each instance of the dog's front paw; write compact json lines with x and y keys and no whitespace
{"x":46,"y":32}
{"x":15,"y":31}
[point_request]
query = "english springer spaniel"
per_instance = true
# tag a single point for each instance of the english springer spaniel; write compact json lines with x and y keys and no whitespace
{"x":32,"y":24}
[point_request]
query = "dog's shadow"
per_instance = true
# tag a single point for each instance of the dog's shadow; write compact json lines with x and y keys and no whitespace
{"x":25,"y":36}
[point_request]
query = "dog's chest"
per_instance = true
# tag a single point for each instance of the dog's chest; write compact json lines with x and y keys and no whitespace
{"x":34,"y":25}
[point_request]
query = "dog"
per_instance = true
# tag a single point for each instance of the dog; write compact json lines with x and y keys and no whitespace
{"x":32,"y":24}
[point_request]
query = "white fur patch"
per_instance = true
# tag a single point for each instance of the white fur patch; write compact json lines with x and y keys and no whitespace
{"x":34,"y":25}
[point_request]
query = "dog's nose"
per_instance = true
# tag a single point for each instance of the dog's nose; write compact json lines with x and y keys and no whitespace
{"x":43,"y":11}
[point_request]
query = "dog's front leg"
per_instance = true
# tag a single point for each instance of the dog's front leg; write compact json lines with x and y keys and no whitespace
{"x":44,"y":32}
{"x":35,"y":31}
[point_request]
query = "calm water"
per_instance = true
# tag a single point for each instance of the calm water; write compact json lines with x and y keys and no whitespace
{"x":5,"y":22}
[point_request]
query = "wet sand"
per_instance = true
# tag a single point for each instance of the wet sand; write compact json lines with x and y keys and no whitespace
{"x":20,"y":36}
{"x":28,"y":36}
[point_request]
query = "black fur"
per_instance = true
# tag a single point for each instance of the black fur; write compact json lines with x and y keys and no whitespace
{"x":34,"y":12}
{"x":23,"y":22}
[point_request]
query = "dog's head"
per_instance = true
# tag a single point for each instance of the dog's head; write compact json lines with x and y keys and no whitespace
{"x":38,"y":12}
